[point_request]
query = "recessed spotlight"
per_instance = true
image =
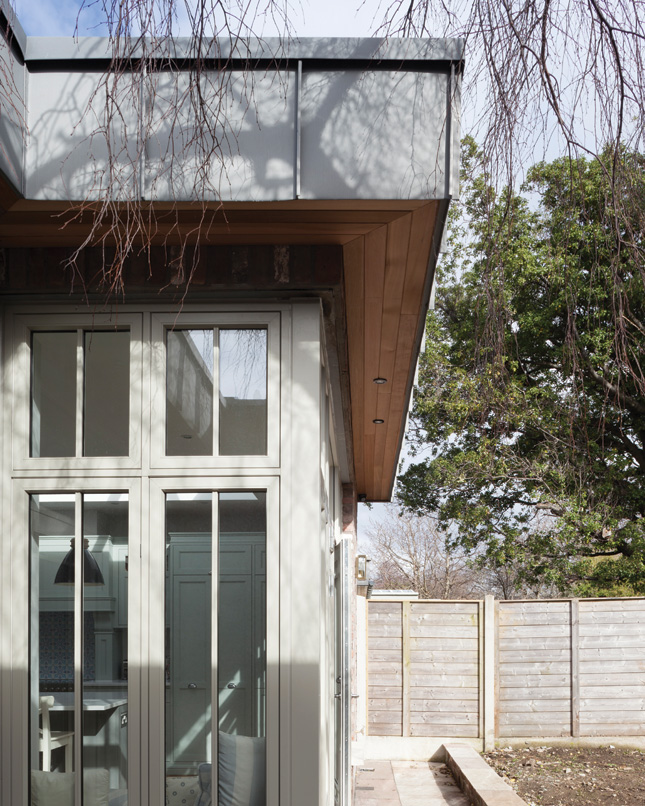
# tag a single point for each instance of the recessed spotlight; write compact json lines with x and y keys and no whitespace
{"x":380,"y":380}
{"x":378,"y":422}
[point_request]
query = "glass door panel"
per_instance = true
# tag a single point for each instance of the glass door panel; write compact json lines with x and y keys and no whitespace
{"x":105,"y":645}
{"x":189,"y":522}
{"x":78,"y":626}
{"x":238,"y":672}
{"x":52,"y":628}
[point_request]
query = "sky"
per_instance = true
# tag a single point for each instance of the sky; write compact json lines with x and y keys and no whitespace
{"x":319,"y":18}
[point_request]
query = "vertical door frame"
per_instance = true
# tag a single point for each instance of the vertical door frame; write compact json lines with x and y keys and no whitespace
{"x":153,"y":683}
{"x":20,"y":564}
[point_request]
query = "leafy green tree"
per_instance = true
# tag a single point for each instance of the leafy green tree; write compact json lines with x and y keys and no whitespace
{"x":530,"y":409}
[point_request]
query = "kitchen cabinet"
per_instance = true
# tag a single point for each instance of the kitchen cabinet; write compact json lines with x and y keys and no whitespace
{"x":241,"y":636}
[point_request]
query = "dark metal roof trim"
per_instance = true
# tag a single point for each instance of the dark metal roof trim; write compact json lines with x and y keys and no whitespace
{"x":340,"y":51}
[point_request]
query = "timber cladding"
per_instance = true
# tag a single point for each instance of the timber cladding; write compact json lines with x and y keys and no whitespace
{"x":557,"y":668}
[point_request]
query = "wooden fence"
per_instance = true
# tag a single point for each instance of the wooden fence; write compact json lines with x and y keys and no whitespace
{"x":487,"y":669}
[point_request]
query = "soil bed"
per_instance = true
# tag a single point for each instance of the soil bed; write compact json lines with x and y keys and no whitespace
{"x":573,"y":776}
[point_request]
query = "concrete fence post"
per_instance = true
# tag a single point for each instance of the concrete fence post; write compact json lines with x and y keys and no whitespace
{"x":488,"y":660}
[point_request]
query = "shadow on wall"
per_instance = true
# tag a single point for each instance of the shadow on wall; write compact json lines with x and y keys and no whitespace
{"x":377,"y":132}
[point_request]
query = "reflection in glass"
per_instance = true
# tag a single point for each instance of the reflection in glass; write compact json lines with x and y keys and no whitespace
{"x":242,"y":642}
{"x":105,"y":649}
{"x":53,"y":394}
{"x":102,"y":652}
{"x":52,"y":650}
{"x":242,"y":609}
{"x":241,"y":630}
{"x":188,"y":640}
{"x":243,"y":392}
{"x":107,"y":393}
{"x":189,"y":393}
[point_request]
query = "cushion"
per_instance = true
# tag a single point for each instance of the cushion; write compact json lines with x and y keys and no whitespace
{"x":57,"y":788}
{"x":242,"y":772}
{"x":118,"y":797}
{"x":182,"y":790}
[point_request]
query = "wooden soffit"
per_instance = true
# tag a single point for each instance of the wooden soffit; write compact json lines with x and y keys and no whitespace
{"x":389,"y":250}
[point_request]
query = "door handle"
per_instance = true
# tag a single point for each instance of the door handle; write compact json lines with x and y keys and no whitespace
{"x":192,"y":685}
{"x":232,"y":685}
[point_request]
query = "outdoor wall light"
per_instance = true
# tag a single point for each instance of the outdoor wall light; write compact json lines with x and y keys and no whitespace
{"x":378,"y":421}
{"x":91,"y":572}
{"x":361,"y":567}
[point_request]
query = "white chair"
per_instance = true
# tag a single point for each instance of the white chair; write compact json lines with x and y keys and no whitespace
{"x":51,"y":740}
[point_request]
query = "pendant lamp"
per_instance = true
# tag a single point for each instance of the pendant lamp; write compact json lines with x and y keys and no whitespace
{"x":91,"y":572}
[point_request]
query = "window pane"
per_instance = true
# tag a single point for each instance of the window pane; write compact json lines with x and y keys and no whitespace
{"x":189,"y":393}
{"x":243,"y":392}
{"x":52,"y":647}
{"x":188,"y":633}
{"x":107,"y":393}
{"x":103,"y":671}
{"x":105,"y":645}
{"x":242,"y":640}
{"x":53,"y":394}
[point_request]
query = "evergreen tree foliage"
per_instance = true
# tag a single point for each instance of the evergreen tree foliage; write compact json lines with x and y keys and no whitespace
{"x":530,"y":408}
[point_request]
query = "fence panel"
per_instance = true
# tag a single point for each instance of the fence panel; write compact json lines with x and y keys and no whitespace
{"x":534,"y":669}
{"x":444,"y":669}
{"x":556,"y":668}
{"x":385,"y":668}
{"x":612,"y":667}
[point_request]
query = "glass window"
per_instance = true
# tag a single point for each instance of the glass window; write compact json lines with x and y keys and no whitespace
{"x":104,"y":376}
{"x":106,"y":411}
{"x":53,"y":394}
{"x":227,"y":364}
{"x":78,"y":646}
{"x":189,"y":393}
{"x":242,"y":392}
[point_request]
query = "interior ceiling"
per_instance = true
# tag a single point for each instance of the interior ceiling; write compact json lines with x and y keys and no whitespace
{"x":389,"y":249}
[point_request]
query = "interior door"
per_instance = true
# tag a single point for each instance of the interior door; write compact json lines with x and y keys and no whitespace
{"x":189,"y":561}
{"x":215,"y":667}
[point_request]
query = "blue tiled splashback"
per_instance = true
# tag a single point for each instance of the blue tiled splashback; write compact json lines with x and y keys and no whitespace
{"x":57,"y":646}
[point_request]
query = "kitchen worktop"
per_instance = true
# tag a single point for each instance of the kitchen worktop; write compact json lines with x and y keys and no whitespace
{"x":106,"y":700}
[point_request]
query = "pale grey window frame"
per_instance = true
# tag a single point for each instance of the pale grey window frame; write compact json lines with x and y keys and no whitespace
{"x":144,"y":481}
{"x":161,"y":323}
{"x":19,"y":720}
{"x":153,"y":684}
{"x":26,"y":324}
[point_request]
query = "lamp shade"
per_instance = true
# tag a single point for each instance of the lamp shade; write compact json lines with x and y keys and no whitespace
{"x":91,"y":572}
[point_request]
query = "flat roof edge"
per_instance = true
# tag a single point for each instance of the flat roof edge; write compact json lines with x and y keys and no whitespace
{"x":375,"y":50}
{"x":14,"y":29}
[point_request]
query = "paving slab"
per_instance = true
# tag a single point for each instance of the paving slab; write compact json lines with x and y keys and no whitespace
{"x":406,"y":783}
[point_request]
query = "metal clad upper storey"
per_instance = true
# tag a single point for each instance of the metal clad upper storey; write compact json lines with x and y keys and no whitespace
{"x":315,"y":119}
